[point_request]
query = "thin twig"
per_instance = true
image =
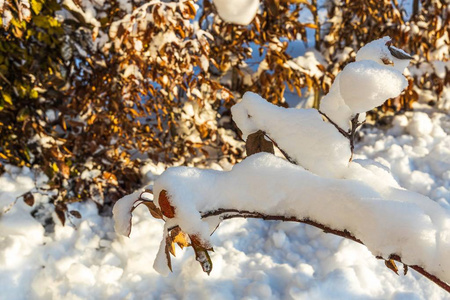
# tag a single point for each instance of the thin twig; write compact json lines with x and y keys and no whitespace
{"x":355,"y":125}
{"x":350,"y":135}
{"x":226,"y":214}
{"x":342,"y":131}
{"x":291,"y":160}
{"x":5,"y":79}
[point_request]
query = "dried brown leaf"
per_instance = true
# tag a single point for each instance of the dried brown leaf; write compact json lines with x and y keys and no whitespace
{"x":166,"y":208}
{"x":256,"y":142}
{"x":28,"y":198}
{"x":167,"y":250}
{"x":60,"y":211}
{"x":170,"y":246}
{"x":391,"y":265}
{"x":63,"y":169}
{"x":179,"y":237}
{"x":201,"y":249}
{"x":154,"y":211}
{"x":75,"y":213}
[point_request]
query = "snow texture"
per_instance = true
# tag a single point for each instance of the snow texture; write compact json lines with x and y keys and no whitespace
{"x":366,"y":84}
{"x":302,"y":133}
{"x":308,"y":63}
{"x":240,"y":12}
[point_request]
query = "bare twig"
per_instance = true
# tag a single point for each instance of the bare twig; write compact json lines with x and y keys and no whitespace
{"x":314,"y":10}
{"x":226,"y":214}
{"x":415,"y":9}
{"x":5,"y":79}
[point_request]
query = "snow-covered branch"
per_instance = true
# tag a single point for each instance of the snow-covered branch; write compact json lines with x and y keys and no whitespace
{"x":232,"y":213}
{"x":390,"y":221}
{"x":319,"y":185}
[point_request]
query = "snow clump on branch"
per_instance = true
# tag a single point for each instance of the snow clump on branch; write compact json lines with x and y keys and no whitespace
{"x":374,"y":77}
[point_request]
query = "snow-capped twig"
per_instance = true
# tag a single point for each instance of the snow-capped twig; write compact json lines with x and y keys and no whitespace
{"x":226,"y":214}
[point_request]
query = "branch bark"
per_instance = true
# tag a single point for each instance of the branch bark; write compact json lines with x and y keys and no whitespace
{"x":415,"y":9}
{"x":314,"y":10}
{"x":352,"y":133}
{"x":226,"y":214}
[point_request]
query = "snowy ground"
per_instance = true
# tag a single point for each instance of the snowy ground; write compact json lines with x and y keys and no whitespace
{"x":253,"y":259}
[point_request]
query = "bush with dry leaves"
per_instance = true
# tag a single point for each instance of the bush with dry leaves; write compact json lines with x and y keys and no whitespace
{"x":91,"y":91}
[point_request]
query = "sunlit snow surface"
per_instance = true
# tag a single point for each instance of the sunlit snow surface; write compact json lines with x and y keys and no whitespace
{"x":253,"y":259}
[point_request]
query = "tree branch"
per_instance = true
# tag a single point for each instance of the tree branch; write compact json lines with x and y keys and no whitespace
{"x":226,"y":214}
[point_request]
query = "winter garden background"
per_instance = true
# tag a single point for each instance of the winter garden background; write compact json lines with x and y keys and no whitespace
{"x":98,"y":98}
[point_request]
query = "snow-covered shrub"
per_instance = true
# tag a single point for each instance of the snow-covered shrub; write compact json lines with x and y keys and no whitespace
{"x":317,"y":183}
{"x":91,"y":89}
{"x":94,"y":88}
{"x":256,"y":57}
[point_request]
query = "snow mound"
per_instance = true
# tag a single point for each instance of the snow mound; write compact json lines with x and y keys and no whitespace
{"x":333,"y":105}
{"x":122,"y":213}
{"x":420,"y":125}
